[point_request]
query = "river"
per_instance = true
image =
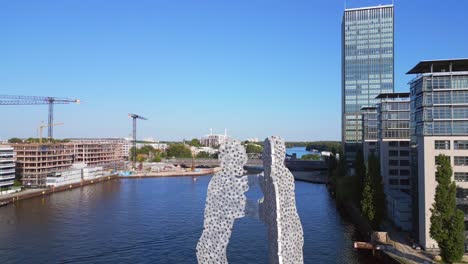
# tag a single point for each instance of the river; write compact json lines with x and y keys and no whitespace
{"x":157,"y":220}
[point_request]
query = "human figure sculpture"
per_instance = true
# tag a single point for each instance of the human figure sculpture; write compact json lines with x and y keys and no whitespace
{"x":277,"y":209}
{"x":225,"y":201}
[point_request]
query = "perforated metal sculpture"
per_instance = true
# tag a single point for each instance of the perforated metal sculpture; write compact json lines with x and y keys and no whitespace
{"x":277,"y":209}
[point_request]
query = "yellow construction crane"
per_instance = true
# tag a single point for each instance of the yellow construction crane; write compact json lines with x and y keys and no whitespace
{"x":39,"y":129}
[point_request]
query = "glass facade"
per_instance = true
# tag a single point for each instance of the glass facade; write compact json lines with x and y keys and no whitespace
{"x":440,"y":105}
{"x":394,"y":118}
{"x":367,"y":67}
{"x":369,"y":123}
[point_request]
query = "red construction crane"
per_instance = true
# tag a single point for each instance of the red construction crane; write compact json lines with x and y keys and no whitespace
{"x":37,"y":100}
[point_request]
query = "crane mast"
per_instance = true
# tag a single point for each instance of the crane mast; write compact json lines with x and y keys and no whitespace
{"x":135,"y":117}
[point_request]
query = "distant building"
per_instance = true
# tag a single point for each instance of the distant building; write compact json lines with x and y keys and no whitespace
{"x":393,"y":115}
{"x":76,"y":173}
{"x":439,"y":125}
{"x":214,"y":140}
{"x":253,"y":140}
{"x":7,"y":166}
{"x":105,"y":154}
{"x":126,"y":143}
{"x":367,"y":67}
{"x":158,"y":146}
{"x":34,"y":162}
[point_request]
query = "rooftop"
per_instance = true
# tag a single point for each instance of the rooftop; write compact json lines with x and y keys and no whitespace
{"x":365,"y":8}
{"x":393,"y":95}
{"x":449,"y":65}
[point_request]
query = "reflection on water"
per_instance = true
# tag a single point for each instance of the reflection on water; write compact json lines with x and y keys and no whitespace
{"x":156,"y":220}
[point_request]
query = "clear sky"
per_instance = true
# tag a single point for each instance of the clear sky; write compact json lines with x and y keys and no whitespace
{"x":255,"y":67}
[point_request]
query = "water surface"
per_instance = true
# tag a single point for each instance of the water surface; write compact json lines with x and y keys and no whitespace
{"x":156,"y":220}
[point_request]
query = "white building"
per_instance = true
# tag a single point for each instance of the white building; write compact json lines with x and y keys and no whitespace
{"x":7,"y":166}
{"x":214,"y":140}
{"x":75,"y":174}
{"x":158,"y":146}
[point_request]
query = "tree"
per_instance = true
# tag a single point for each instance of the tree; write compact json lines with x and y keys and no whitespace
{"x":203,"y":155}
{"x":178,"y":151}
{"x":447,"y":222}
{"x":367,"y":201}
{"x":379,"y":202}
{"x":253,"y":148}
{"x":15,"y":140}
{"x":360,"y":169}
{"x":156,"y":158}
{"x":195,"y":142}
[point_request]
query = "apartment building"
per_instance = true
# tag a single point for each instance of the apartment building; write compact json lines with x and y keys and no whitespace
{"x":7,"y":166}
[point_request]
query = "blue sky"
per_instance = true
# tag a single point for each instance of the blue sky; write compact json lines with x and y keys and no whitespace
{"x":255,"y":67}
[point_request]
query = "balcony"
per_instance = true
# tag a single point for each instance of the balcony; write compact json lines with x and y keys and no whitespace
{"x":7,"y":171}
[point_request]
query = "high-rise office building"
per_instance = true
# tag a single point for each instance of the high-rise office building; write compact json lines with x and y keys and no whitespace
{"x":439,"y":125}
{"x":367,"y":67}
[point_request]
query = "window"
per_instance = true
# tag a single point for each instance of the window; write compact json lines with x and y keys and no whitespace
{"x":393,"y":143}
{"x":404,"y":153}
{"x":393,"y":162}
{"x":460,"y":144}
{"x":404,"y":163}
{"x":393,"y":153}
{"x":404,"y":182}
{"x":442,"y":144}
{"x":393,"y":181}
{"x":404,"y":172}
{"x":461,"y":176}
{"x":461,"y":160}
{"x":393,"y":172}
{"x":404,"y":143}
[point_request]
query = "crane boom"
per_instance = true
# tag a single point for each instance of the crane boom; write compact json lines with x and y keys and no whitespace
{"x":37,"y":100}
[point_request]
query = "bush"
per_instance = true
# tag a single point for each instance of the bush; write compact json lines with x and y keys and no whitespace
{"x":310,"y":157}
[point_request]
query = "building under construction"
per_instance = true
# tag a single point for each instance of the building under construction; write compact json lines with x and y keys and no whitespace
{"x":107,"y":155}
{"x":34,"y":162}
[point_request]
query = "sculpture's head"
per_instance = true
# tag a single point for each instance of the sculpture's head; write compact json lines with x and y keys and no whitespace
{"x":232,"y":153}
{"x":273,"y":148}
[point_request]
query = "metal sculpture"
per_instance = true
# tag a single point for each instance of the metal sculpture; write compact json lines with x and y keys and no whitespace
{"x":277,"y":209}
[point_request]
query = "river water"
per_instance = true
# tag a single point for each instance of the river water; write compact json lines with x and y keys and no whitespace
{"x":157,"y":220}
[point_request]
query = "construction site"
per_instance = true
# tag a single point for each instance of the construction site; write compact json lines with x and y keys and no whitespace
{"x":62,"y":160}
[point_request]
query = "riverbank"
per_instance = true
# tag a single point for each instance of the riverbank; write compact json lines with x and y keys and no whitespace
{"x":310,"y":176}
{"x":31,"y":193}
{"x":197,"y":172}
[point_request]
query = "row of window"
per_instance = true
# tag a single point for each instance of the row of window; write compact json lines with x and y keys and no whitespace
{"x":395,"y":182}
{"x":445,"y":112}
{"x":402,"y":153}
{"x":395,"y":172}
{"x":445,"y":144}
{"x":398,"y":162}
{"x":400,"y":143}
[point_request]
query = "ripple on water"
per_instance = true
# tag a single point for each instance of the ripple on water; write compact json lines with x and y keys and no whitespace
{"x":156,"y":221}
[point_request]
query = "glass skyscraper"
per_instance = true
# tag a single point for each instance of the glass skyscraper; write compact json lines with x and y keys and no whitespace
{"x":367,"y":67}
